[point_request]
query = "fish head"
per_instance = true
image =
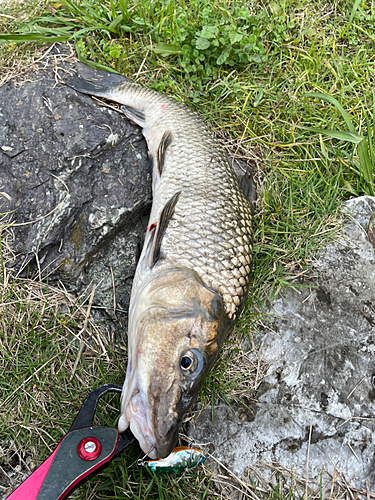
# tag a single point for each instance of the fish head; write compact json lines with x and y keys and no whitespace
{"x":178,"y":338}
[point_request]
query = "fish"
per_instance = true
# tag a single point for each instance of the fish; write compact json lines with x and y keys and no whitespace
{"x":193,"y":274}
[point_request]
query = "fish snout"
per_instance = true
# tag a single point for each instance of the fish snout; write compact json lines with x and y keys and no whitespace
{"x":156,"y":431}
{"x":166,"y":435}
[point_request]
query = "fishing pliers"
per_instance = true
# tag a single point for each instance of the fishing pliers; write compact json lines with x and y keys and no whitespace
{"x":81,"y":454}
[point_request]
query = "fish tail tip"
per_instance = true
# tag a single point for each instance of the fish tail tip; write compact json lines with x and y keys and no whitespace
{"x":85,"y":87}
{"x":94,"y":81}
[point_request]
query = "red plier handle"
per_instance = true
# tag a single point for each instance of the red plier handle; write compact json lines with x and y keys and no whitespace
{"x":83,"y":452}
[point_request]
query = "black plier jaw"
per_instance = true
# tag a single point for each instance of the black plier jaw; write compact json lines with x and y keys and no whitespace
{"x":82,"y":453}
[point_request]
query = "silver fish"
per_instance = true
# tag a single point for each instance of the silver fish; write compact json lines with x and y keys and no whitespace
{"x":193,"y":274}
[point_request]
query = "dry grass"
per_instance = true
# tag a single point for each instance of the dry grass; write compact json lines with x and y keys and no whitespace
{"x":16,"y":59}
{"x":264,"y":477}
{"x":52,"y":355}
{"x":47,"y":374}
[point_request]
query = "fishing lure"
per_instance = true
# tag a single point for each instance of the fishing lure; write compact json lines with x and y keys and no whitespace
{"x":181,"y":459}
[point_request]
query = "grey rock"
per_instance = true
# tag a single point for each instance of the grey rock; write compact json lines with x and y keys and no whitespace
{"x":320,"y":346}
{"x":61,"y":149}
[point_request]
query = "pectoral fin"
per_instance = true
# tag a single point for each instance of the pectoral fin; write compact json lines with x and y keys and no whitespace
{"x":164,"y":220}
{"x":166,"y":141}
{"x":136,"y":115}
{"x":248,"y":187}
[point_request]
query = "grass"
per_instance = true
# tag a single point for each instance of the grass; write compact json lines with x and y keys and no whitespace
{"x":273,"y":79}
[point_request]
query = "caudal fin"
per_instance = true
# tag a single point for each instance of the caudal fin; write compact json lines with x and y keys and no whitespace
{"x":86,"y":87}
{"x":102,"y":84}
{"x":94,"y":81}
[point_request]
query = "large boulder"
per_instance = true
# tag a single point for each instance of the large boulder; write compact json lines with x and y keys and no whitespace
{"x":80,"y":171}
{"x":316,"y":403}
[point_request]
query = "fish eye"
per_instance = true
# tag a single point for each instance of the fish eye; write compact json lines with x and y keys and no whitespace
{"x":191,"y":362}
{"x":186,"y":362}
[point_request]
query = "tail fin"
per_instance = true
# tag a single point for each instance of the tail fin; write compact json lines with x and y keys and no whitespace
{"x":103,"y":84}
{"x":94,"y":81}
{"x":86,"y":87}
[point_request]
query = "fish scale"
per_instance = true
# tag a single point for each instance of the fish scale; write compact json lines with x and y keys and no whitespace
{"x":220,"y":205}
{"x":193,"y":274}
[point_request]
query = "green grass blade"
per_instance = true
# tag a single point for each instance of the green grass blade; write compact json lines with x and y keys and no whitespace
{"x":366,"y":165}
{"x":113,"y":10}
{"x":370,"y":143}
{"x":335,"y":134}
{"x":34,"y":37}
{"x":63,"y":31}
{"x":335,"y":102}
{"x":357,"y":3}
{"x":114,"y":24}
{"x":124,"y":10}
{"x":73,"y":8}
{"x":370,"y":133}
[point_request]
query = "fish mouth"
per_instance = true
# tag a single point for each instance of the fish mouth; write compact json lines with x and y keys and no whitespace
{"x":157,"y":443}
{"x":135,"y":416}
{"x":167,"y":439}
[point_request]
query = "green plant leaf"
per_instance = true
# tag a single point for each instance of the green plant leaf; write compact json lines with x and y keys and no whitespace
{"x":234,"y":37}
{"x":202,"y":43}
{"x":91,"y":63}
{"x":335,"y":102}
{"x":223,"y":57}
{"x":115,"y":53}
{"x":209,"y":32}
{"x":335,"y":134}
{"x":258,"y":98}
{"x":165,"y":49}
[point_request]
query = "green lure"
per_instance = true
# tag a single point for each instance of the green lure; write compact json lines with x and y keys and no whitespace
{"x":181,"y":459}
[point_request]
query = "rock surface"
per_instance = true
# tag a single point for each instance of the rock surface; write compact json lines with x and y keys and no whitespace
{"x":320,"y":346}
{"x":82,"y":171}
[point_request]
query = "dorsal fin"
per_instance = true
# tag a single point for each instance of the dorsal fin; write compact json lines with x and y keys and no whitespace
{"x":166,"y":141}
{"x":164,"y":219}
